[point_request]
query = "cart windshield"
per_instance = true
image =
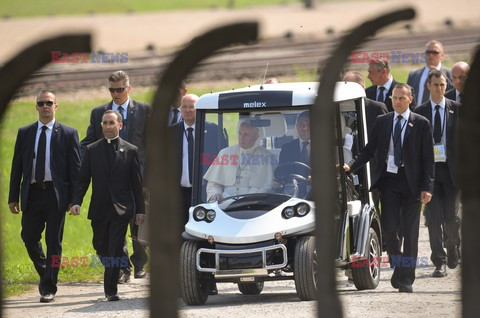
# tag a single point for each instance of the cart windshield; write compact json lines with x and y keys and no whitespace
{"x":255,"y":152}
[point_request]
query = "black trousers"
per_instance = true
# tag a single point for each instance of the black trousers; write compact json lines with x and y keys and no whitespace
{"x":108,"y":238}
{"x":443,"y":211}
{"x":186,"y":197}
{"x":139,"y":257}
{"x":400,"y":205}
{"x":42,"y":211}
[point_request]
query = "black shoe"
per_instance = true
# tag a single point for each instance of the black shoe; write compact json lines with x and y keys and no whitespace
{"x":113,"y":297}
{"x":440,"y":271}
{"x":452,"y":257}
{"x":140,"y":274}
{"x":394,"y":280}
{"x":405,"y":288}
{"x":124,"y":278}
{"x":48,"y":298}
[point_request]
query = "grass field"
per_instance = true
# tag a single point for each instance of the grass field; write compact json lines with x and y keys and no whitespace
{"x":27,"y":8}
{"x":18,"y":272}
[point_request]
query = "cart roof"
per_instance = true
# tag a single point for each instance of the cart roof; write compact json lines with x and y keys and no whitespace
{"x":275,"y":95}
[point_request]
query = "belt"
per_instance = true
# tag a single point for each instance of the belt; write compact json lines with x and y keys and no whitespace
{"x":42,"y":185}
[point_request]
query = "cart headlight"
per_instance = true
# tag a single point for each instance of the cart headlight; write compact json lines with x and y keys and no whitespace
{"x":302,"y":209}
{"x":288,"y":212}
{"x":199,"y":214}
{"x":211,"y":215}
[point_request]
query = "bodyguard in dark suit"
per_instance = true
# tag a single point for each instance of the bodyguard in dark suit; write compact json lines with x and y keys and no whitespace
{"x":134,"y":115}
{"x":184,"y":133}
{"x":383,"y":82}
{"x":44,"y":167}
{"x":114,"y":167}
{"x":402,"y":144}
{"x":175,"y":115}
{"x":417,"y":79}
{"x":442,"y":210}
{"x":459,"y":76}
{"x":299,"y":148}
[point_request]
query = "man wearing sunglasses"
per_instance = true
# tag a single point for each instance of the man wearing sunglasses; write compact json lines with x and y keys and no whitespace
{"x":45,"y":164}
{"x":417,"y":79}
{"x":134,"y":115}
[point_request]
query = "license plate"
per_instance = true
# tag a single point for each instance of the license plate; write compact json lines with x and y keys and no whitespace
{"x":247,"y":279}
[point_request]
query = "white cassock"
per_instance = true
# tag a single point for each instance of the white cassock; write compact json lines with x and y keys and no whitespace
{"x":252,"y":172}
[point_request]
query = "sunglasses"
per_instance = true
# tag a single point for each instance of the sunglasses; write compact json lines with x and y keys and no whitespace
{"x":118,"y":90}
{"x":432,"y":52}
{"x":41,"y":103}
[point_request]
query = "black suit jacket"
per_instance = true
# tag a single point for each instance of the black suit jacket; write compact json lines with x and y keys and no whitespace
{"x":290,"y":152}
{"x":212,"y":145}
{"x":118,"y":182}
{"x":414,"y":81}
{"x":64,"y":163}
{"x":451,"y":133}
{"x":417,"y":150}
{"x":138,"y":113}
{"x":371,"y":93}
{"x":373,"y":109}
{"x":452,"y":94}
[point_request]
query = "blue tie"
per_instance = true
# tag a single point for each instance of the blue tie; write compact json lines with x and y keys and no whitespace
{"x":397,"y":141}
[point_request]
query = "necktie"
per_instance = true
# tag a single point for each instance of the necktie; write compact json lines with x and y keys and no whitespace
{"x":123,"y":130}
{"x":175,"y":115}
{"x":460,"y":97}
{"x":190,"y":152}
{"x":41,"y":150}
{"x":381,"y":97}
{"x":397,"y":142}
{"x":304,"y":153}
{"x":437,"y":126}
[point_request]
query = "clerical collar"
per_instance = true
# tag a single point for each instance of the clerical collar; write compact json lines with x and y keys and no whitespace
{"x":113,"y":139}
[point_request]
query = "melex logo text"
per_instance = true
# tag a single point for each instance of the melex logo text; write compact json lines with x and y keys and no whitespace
{"x":254,"y":104}
{"x":392,"y":57}
{"x":89,"y":57}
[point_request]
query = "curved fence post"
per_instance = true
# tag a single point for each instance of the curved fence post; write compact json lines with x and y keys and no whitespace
{"x":19,"y":68}
{"x":323,"y":175}
{"x":469,"y":136}
{"x":165,"y":202}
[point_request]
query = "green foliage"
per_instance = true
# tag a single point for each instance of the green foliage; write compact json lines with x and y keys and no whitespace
{"x":58,"y":7}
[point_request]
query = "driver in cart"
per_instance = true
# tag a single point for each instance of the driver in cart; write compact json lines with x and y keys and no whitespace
{"x":241,"y":169}
{"x":297,"y":152}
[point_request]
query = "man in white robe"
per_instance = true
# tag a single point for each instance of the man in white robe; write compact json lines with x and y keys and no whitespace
{"x":241,"y":169}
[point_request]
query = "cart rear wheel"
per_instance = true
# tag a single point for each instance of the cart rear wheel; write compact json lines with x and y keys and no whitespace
{"x":250,"y":288}
{"x":366,"y":273}
{"x":305,"y":268}
{"x":193,"y":285}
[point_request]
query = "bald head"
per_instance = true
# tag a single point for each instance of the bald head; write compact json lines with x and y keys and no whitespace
{"x":187,"y":108}
{"x":356,"y":77}
{"x":459,"y":75}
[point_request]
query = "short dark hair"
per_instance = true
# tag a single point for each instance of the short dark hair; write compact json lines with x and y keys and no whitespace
{"x":304,"y":114}
{"x":437,"y":74}
{"x":46,"y":91}
{"x":380,"y":64}
{"x":118,"y":76}
{"x":403,"y":85}
{"x":111,"y":111}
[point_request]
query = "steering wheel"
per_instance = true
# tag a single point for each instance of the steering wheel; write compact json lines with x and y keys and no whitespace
{"x":287,"y":171}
